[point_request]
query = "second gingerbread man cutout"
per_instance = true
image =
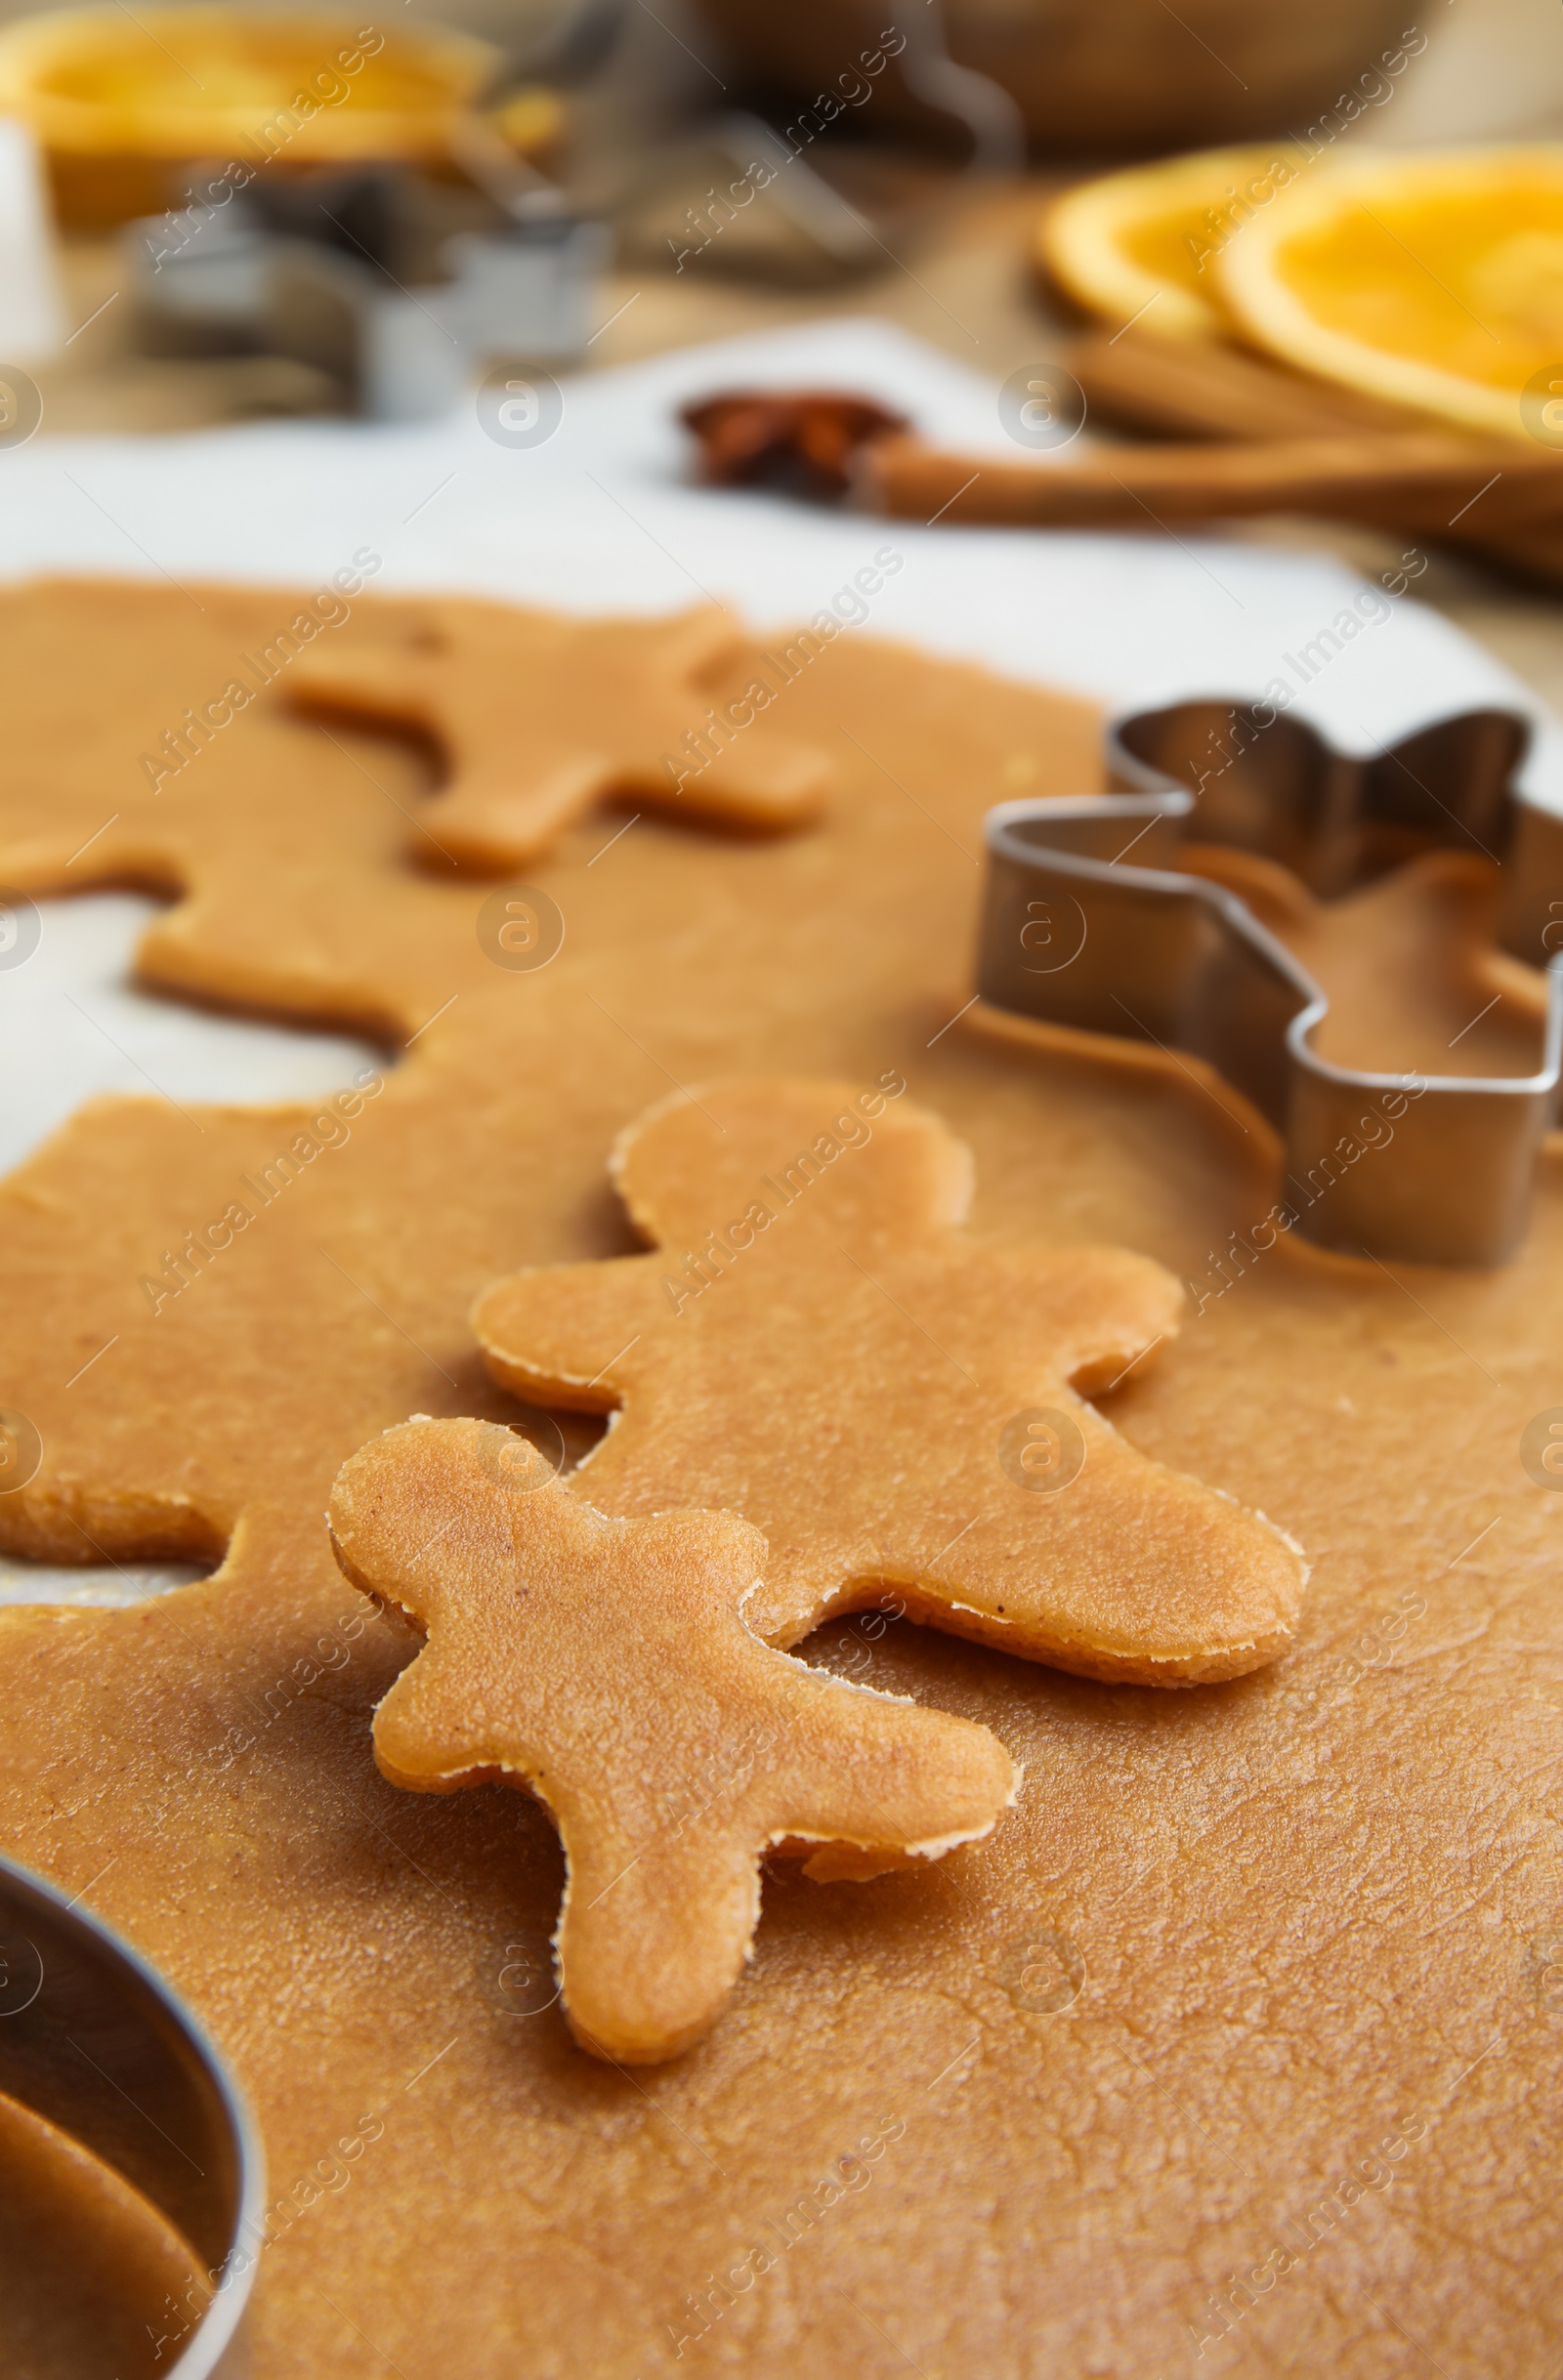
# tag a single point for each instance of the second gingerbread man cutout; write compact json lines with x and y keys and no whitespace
{"x":815,"y":1342}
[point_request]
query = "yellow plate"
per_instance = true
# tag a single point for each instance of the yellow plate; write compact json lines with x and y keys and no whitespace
{"x":1434,"y":280}
{"x":1143,"y":244}
{"x":119,"y":102}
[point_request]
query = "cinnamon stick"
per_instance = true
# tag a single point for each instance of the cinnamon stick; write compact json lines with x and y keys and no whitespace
{"x":1209,"y":389}
{"x":1422,"y":479}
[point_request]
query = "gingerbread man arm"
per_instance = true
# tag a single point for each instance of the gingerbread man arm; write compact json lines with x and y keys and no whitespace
{"x":418,"y":1704}
{"x":570,"y":1334}
{"x":695,"y":644}
{"x":1100,"y":1311}
{"x":1132,"y":1572}
{"x":392,"y":684}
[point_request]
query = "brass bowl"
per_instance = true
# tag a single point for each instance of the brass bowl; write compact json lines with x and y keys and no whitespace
{"x":121,"y":104}
{"x":1092,"y":76}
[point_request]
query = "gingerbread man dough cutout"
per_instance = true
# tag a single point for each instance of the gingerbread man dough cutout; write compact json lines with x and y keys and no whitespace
{"x":605,"y":1666}
{"x":538,"y":718}
{"x":815,"y":1342}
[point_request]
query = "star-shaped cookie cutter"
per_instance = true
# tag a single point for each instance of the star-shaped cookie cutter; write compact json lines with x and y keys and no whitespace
{"x":1437,"y":1169}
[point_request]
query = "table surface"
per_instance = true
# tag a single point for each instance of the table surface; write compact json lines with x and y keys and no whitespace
{"x":960,"y":281}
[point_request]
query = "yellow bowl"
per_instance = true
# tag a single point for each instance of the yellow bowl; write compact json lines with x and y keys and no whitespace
{"x":119,"y":102}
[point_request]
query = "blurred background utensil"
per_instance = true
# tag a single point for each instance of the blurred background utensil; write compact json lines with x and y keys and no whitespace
{"x":1084,"y":76}
{"x":397,"y":287}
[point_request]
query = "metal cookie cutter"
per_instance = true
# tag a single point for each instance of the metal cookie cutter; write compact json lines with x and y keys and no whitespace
{"x":93,"y":2040}
{"x":1434,"y":1168}
{"x":396,"y":286}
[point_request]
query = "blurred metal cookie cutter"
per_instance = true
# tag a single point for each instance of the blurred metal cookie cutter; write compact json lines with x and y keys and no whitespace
{"x":96,"y":2043}
{"x":1074,"y":936}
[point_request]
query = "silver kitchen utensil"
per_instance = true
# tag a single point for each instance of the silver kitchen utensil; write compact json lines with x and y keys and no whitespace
{"x":1085,"y":924}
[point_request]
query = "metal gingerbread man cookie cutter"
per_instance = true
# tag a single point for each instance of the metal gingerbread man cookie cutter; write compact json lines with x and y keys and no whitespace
{"x":1437,"y":1169}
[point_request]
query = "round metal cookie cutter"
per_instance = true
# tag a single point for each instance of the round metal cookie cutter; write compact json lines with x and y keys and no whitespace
{"x":93,"y":2040}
